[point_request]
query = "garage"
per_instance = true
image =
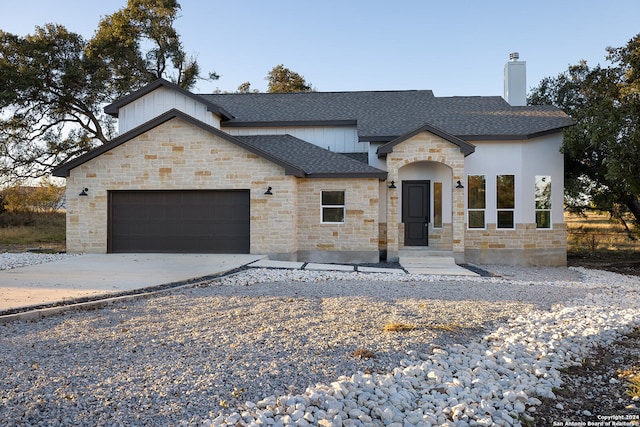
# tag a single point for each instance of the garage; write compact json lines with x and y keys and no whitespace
{"x":189,"y":221}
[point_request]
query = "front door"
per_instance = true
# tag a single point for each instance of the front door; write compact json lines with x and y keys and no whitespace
{"x":415,"y":212}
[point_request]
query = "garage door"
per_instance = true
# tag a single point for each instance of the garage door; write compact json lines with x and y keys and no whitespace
{"x":179,"y":221}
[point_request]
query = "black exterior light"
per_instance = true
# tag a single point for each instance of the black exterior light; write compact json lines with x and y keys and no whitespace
{"x":268,"y":192}
{"x":393,"y":184}
{"x":459,"y":185}
{"x":84,"y":192}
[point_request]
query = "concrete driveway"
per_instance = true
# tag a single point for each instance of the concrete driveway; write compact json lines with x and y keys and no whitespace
{"x":92,"y":275}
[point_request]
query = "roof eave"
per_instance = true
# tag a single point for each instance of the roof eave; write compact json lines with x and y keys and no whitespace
{"x":284,"y":123}
{"x":378,"y":175}
{"x":514,"y":137}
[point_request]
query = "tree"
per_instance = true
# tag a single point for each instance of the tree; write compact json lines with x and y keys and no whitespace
{"x":602,"y":150}
{"x":246,"y":88}
{"x":282,"y":80}
{"x":121,"y":35}
{"x":45,"y":197}
{"x":55,"y":83}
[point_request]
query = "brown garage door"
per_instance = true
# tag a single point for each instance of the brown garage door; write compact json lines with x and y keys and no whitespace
{"x":179,"y":221}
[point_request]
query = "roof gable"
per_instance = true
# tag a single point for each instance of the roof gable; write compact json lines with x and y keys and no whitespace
{"x":63,"y":170}
{"x":113,"y":108}
{"x":465,"y":147}
{"x":297,"y":157}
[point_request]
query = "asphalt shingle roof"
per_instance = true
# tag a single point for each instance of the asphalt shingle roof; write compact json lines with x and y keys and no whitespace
{"x":385,"y":115}
{"x":316,"y":162}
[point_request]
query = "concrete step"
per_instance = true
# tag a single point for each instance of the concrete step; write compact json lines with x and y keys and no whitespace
{"x":424,"y":256}
{"x":420,"y":251}
{"x":425,"y":261}
{"x":438,"y":260}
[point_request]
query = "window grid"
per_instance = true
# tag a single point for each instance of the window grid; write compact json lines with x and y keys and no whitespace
{"x":476,"y":201}
{"x":505,"y":201}
{"x":543,"y":201}
{"x":332,"y":207}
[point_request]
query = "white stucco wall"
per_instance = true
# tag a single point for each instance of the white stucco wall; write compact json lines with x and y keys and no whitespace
{"x":526,"y":160}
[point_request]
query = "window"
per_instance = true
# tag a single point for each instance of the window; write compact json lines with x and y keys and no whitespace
{"x":543,"y":202}
{"x":505,"y":196}
{"x":476,"y":200}
{"x":333,"y":207}
{"x":437,"y":205}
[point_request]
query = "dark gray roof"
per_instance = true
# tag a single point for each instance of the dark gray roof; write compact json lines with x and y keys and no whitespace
{"x":386,"y":115}
{"x":297,"y":157}
{"x":316,"y":162}
{"x":361,"y":157}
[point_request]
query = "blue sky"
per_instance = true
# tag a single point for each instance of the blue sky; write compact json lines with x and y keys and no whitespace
{"x":455,"y":48}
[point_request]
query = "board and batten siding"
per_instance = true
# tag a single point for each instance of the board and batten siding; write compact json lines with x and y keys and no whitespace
{"x":160,"y":101}
{"x":340,"y":139}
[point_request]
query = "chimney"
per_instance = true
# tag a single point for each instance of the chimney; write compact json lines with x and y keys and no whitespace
{"x":515,"y":80}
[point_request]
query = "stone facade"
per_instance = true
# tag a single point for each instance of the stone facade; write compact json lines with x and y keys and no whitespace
{"x":524,"y":245}
{"x":356,"y":239}
{"x":426,"y":147}
{"x":179,"y":156}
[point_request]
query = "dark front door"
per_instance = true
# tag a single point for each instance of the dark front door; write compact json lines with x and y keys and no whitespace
{"x":207,"y":221}
{"x":415,"y":212}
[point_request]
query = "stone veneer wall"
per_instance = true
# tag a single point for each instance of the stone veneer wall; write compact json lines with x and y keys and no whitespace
{"x":525,"y":245}
{"x":354,"y":241}
{"x":179,"y":156}
{"x":426,"y":147}
{"x":382,"y":236}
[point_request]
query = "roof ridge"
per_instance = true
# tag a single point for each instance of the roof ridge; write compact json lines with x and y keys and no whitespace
{"x":319,"y":92}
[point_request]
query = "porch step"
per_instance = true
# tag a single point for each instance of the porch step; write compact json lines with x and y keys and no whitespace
{"x":424,"y":261}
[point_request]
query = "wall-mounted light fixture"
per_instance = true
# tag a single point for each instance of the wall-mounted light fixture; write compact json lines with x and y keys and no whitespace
{"x":84,"y":192}
{"x":393,"y":184}
{"x":268,"y":192}
{"x":459,"y":185}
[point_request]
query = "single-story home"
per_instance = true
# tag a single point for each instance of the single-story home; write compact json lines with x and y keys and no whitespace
{"x":325,"y":176}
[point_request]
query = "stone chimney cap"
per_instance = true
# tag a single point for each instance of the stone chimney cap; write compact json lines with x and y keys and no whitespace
{"x":514,"y":56}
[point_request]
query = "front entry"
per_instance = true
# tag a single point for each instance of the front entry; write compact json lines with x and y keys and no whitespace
{"x":415,"y":212}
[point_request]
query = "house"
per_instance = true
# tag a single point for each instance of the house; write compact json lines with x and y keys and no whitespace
{"x":325,"y":176}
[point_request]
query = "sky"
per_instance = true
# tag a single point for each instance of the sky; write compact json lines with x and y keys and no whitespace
{"x":453,"y":47}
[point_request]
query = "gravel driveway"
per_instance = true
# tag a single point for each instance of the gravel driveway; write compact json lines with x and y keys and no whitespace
{"x":189,"y":355}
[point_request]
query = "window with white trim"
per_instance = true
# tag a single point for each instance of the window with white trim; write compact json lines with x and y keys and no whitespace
{"x":476,"y":200}
{"x":506,"y":200}
{"x":543,"y":202}
{"x":333,"y":207}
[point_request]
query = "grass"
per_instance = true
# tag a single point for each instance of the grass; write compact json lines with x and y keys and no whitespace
{"x":633,"y":385}
{"x":632,"y":375}
{"x":398,"y":327}
{"x":598,"y":232}
{"x":37,"y":230}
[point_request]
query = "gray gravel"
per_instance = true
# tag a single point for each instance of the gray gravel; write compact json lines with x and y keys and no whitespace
{"x":10,"y":260}
{"x":189,"y":355}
